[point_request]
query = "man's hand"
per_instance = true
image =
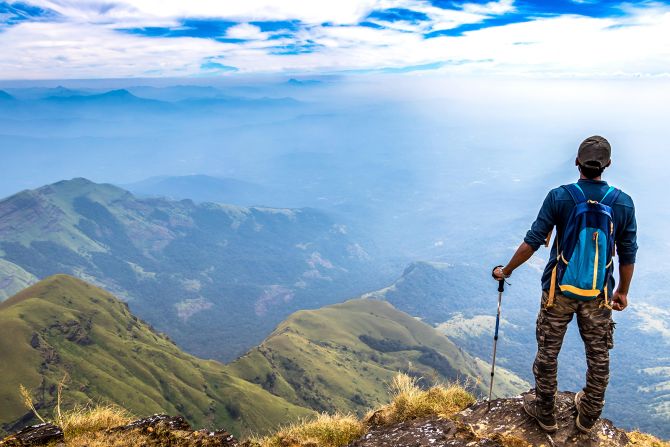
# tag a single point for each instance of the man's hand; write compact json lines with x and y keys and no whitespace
{"x":499,"y":273}
{"x":619,"y":301}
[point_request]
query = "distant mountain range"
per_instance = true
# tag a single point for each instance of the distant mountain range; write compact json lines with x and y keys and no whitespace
{"x":158,"y":100}
{"x":200,"y":272}
{"x":6,"y":97}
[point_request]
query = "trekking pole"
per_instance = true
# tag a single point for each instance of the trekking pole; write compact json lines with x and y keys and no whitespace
{"x":501,"y":289}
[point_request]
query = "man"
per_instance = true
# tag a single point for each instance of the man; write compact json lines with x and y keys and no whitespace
{"x":594,"y":314}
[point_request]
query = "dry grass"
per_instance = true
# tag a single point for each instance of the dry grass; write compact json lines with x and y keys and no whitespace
{"x":102,"y":439}
{"x":28,"y":402}
{"x":409,"y":401}
{"x":324,"y":431}
{"x":83,"y":420}
{"x":645,"y":440}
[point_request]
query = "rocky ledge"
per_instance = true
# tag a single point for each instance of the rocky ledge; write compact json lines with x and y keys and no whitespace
{"x":504,"y":425}
{"x":154,"y":431}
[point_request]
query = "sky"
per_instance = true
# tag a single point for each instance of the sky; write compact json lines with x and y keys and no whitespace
{"x":89,"y":39}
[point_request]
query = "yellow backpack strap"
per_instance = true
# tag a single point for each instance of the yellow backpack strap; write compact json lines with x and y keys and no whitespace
{"x":552,"y":287}
{"x":606,"y":304}
{"x":548,"y":240}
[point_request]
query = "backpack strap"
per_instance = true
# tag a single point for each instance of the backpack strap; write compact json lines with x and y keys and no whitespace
{"x":575,"y":192}
{"x":610,"y":196}
{"x":609,"y":199}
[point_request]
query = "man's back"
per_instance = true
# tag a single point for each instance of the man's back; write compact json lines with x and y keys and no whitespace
{"x":556,"y":210}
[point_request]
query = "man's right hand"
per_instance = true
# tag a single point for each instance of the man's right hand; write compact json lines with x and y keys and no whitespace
{"x":499,"y":273}
{"x":619,"y":301}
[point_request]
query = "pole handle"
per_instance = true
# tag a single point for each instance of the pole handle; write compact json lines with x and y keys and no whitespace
{"x":501,"y":282}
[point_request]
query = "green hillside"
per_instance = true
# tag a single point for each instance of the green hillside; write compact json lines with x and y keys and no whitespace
{"x":342,"y":357}
{"x":63,"y":325}
{"x":183,"y":265}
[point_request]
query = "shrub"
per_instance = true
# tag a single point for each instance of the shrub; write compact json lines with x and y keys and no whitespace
{"x":82,"y":420}
{"x":324,"y":431}
{"x":409,"y":401}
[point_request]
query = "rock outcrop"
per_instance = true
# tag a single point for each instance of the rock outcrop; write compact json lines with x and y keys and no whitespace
{"x":154,"y":431}
{"x":504,"y":425}
{"x":164,"y":430}
{"x":40,"y":434}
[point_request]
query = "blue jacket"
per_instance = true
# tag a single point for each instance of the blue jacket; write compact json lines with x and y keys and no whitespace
{"x":556,"y":210}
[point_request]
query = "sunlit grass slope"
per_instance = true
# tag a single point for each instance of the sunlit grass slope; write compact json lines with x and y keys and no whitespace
{"x":64,"y":326}
{"x":341,"y":357}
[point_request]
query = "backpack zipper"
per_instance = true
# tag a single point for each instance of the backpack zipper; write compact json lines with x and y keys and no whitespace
{"x":595,"y":262}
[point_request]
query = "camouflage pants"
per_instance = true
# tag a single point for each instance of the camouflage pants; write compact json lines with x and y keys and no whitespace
{"x":596,"y":329}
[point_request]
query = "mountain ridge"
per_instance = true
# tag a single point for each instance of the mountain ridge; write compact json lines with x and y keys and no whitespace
{"x":65,"y":327}
{"x":186,"y":257}
{"x":340,"y":357}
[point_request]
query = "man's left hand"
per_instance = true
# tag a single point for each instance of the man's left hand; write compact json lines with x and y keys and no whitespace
{"x":619,"y":301}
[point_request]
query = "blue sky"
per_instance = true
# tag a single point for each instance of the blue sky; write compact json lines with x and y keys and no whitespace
{"x":53,"y":39}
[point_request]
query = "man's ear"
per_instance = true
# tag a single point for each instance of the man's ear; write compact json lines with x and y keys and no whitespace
{"x":576,"y":161}
{"x":609,"y":163}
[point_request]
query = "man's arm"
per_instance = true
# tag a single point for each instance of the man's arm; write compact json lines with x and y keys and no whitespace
{"x":536,"y":236}
{"x":522,"y":254}
{"x":626,"y":241}
{"x":620,"y":298}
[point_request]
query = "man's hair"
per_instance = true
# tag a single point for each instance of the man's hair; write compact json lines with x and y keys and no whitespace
{"x":591,"y":172}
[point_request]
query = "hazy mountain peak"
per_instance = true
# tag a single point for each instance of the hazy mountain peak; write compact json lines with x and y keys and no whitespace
{"x":303,"y":82}
{"x":79,"y":186}
{"x":119,"y":93}
{"x":418,"y":266}
{"x":5,"y":96}
{"x":63,"y":91}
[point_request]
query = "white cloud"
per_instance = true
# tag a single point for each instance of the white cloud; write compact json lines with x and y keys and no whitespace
{"x":63,"y":50}
{"x":245,"y":31}
{"x":490,"y":8}
{"x":311,"y":11}
{"x":87,"y":44}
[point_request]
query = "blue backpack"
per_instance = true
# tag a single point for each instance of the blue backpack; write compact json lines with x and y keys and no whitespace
{"x":584,"y":257}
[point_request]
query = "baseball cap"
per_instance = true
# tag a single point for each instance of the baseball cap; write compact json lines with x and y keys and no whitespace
{"x":595,"y":151}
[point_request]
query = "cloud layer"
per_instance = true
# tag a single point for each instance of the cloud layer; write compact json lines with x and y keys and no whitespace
{"x":55,"y":39}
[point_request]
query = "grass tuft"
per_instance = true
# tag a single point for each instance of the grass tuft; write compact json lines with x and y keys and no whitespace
{"x":644,"y":440}
{"x":82,"y":420}
{"x":324,"y":431}
{"x":28,"y":402}
{"x":409,"y":401}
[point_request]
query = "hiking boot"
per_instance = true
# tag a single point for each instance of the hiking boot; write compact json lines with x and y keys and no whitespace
{"x":545,"y":419}
{"x":583,"y":422}
{"x":578,"y":399}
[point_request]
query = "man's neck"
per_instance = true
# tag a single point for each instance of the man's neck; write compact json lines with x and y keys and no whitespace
{"x":583,"y":177}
